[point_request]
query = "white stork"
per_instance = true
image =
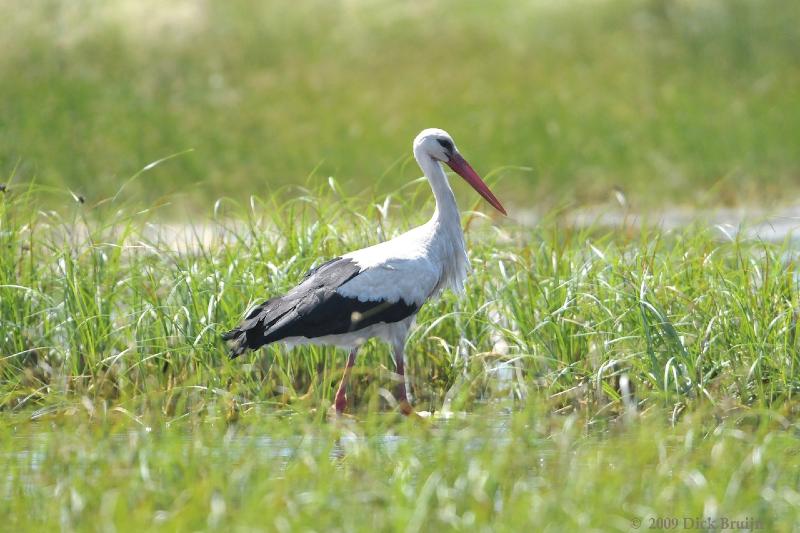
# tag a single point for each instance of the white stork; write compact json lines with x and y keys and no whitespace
{"x":376,"y":291}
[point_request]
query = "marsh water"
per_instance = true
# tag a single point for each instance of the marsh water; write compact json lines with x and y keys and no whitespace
{"x":29,"y":449}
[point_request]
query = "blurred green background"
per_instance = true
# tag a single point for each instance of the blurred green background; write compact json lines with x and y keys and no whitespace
{"x":672,"y":101}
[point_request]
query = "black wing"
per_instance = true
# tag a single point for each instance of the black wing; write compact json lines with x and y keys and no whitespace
{"x":314,"y":309}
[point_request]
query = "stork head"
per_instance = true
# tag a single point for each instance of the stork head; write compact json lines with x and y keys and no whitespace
{"x":439,"y":146}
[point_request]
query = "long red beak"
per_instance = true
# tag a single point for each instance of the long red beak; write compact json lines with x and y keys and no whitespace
{"x":462,"y":168}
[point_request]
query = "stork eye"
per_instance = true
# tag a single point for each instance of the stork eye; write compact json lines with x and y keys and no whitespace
{"x":446,"y":144}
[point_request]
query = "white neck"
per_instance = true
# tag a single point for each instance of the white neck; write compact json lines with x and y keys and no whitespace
{"x":446,"y":208}
{"x":446,"y":235}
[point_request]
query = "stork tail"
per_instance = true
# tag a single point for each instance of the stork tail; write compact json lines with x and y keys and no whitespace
{"x":237,"y":339}
{"x":250,"y":334}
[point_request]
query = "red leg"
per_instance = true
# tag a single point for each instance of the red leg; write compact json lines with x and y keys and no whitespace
{"x":401,"y":392}
{"x":341,"y":394}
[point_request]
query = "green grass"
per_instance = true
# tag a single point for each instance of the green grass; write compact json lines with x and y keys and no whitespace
{"x":654,"y":375}
{"x":691,"y":102}
{"x":107,"y":309}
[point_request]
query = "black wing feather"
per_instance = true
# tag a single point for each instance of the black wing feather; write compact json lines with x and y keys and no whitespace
{"x":314,"y":309}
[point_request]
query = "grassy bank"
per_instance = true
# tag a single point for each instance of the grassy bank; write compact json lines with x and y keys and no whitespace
{"x":690,"y":102}
{"x":605,"y":376}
